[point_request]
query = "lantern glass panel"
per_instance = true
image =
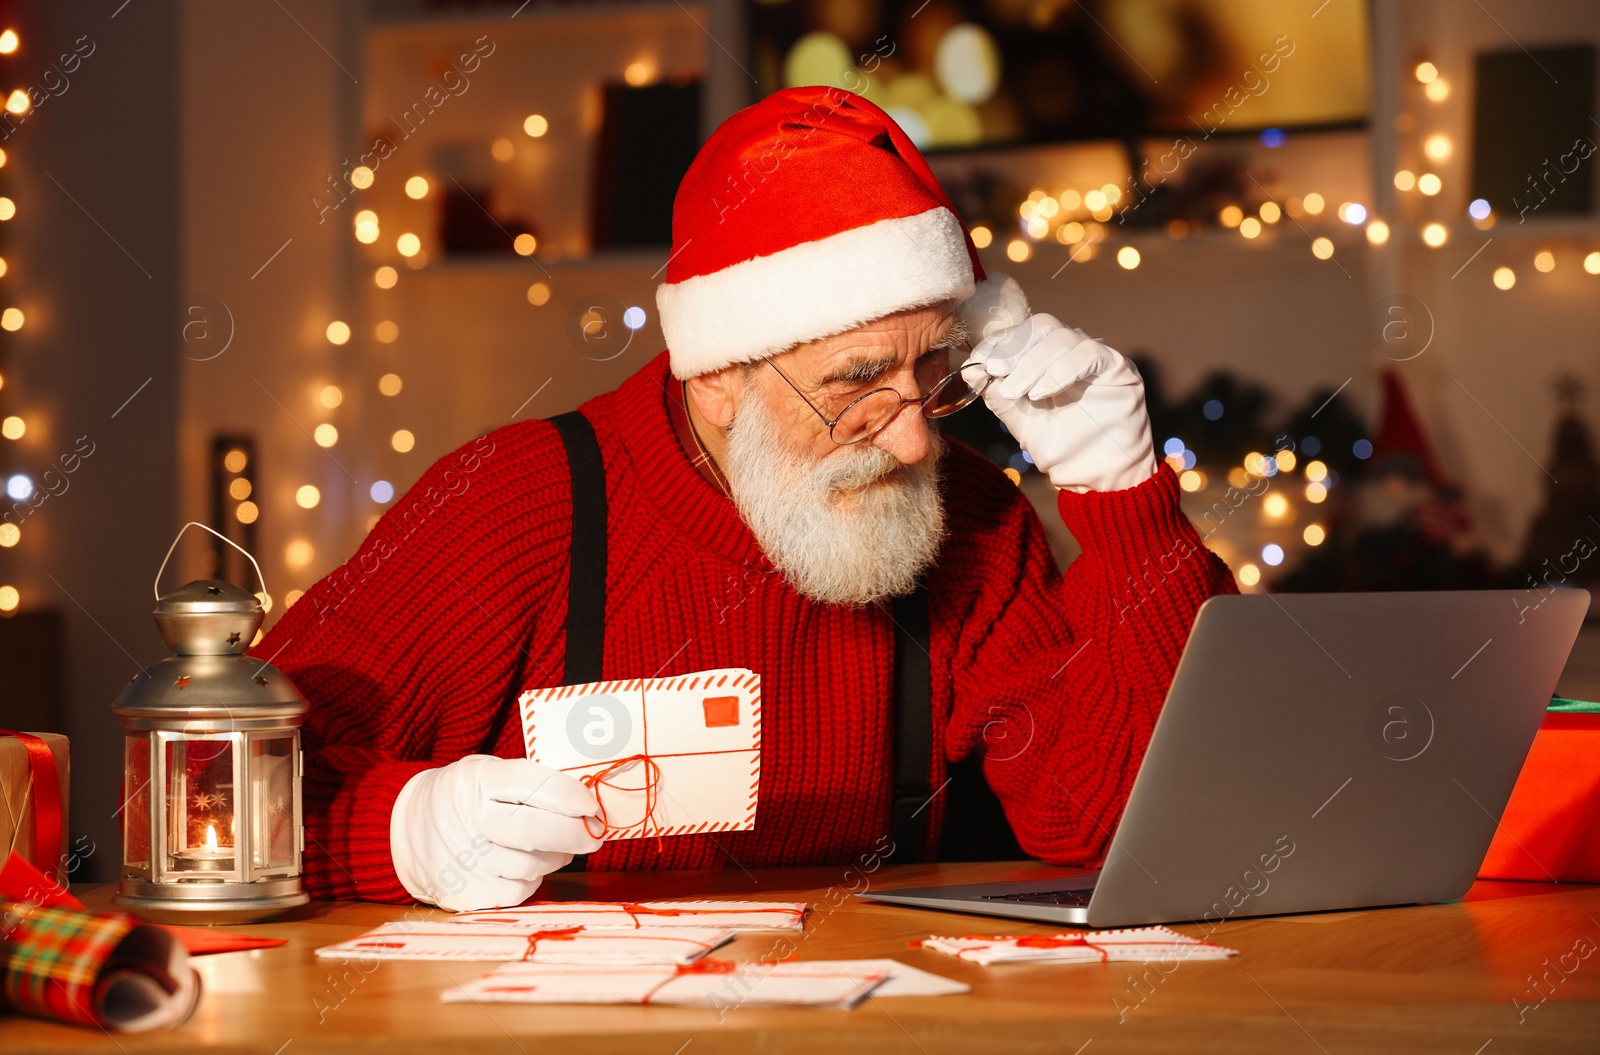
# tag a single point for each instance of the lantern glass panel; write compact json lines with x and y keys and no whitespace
{"x":273,"y":834}
{"x":200,"y":803}
{"x":136,"y":804}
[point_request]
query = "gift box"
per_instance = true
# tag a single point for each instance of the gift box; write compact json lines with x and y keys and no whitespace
{"x":34,"y":773}
{"x":1551,"y":826}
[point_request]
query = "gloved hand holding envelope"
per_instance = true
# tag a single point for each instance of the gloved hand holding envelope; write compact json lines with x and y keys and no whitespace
{"x":664,"y":756}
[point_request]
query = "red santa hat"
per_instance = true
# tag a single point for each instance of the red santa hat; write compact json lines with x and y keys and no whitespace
{"x":806,"y":215}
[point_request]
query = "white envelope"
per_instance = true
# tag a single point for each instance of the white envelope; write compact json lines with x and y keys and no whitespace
{"x":694,"y":741}
{"x":449,"y":940}
{"x":900,"y":979}
{"x":1136,"y":945}
{"x":788,"y":983}
{"x":595,"y":915}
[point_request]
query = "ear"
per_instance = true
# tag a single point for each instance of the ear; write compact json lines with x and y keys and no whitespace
{"x":716,"y":394}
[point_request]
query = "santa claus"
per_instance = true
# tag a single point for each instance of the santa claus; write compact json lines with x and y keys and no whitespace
{"x":770,"y":492}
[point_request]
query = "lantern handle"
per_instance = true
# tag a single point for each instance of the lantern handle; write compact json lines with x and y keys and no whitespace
{"x":195,"y":523}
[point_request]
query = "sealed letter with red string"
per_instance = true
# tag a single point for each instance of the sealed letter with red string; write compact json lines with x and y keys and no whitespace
{"x":1136,"y":945}
{"x":706,"y":983}
{"x":665,"y":756}
{"x":449,"y":940}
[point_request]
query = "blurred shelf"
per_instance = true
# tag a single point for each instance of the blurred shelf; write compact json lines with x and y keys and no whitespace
{"x":1534,"y":228}
{"x":385,"y":16}
{"x":651,"y":259}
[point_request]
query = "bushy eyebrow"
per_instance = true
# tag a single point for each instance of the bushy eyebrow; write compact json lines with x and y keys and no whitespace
{"x":865,"y":369}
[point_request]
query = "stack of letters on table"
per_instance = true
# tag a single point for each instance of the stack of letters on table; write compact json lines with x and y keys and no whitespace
{"x":634,"y":953}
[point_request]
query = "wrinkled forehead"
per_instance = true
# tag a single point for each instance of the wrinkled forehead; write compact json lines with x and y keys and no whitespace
{"x":882,"y":342}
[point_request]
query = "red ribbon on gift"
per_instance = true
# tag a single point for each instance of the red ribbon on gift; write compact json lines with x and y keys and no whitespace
{"x":45,"y":783}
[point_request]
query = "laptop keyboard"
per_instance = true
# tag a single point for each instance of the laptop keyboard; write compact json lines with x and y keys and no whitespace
{"x":1074,"y":896}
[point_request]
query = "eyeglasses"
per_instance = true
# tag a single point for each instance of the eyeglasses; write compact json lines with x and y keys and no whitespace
{"x":869,"y":413}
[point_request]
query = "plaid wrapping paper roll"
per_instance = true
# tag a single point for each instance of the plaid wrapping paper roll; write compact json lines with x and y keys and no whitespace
{"x":94,"y":969}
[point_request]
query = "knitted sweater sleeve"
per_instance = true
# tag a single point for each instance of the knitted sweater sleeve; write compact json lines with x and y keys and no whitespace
{"x":408,"y":649}
{"x":1059,"y":677}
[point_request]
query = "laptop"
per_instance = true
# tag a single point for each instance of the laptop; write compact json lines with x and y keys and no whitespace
{"x":1316,"y":752}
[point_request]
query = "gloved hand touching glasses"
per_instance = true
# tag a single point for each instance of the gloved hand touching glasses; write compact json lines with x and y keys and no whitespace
{"x":1075,"y":404}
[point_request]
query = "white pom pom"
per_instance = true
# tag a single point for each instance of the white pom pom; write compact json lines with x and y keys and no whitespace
{"x":997,"y":302}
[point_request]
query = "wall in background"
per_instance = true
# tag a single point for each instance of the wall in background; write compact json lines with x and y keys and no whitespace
{"x":268,"y":116}
{"x":1486,"y":385}
{"x":279,"y":112}
{"x":94,"y":262}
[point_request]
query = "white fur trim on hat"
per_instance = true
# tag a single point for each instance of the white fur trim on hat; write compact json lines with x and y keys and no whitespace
{"x":764,"y":305}
{"x":997,"y":302}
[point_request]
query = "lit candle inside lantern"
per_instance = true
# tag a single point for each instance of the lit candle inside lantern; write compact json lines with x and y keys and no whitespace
{"x":211,"y":857}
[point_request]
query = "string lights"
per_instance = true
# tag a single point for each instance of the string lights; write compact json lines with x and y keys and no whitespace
{"x":1079,"y":217}
{"x":18,"y":486}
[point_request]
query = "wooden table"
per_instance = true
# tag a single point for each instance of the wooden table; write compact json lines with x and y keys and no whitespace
{"x":1456,"y":978}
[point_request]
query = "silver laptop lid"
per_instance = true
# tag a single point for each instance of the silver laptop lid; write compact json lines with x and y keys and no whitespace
{"x":1326,"y":751}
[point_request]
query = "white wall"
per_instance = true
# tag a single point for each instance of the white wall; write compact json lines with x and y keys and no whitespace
{"x":268,"y":118}
{"x":267,"y":115}
{"x":1500,"y":349}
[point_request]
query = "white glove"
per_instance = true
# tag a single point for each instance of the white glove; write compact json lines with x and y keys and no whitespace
{"x":483,"y":832}
{"x":1075,"y":404}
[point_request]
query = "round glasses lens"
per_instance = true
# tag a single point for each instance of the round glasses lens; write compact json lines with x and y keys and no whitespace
{"x":951,"y":394}
{"x":867,"y":415}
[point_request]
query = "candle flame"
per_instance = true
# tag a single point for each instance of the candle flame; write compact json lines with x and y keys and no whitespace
{"x":211,"y":837}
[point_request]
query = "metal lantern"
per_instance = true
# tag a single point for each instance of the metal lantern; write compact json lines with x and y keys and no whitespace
{"x":211,"y":826}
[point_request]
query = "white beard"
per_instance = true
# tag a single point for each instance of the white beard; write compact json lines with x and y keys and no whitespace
{"x":875,"y":548}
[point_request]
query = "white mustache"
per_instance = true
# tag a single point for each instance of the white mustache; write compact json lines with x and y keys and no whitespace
{"x":863,"y":467}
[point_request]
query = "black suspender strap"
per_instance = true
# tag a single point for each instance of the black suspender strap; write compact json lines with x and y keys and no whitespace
{"x":586,"y":582}
{"x":586,"y":577}
{"x":975,"y":824}
{"x":913,"y":725}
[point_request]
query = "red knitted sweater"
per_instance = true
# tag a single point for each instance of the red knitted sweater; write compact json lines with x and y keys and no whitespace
{"x":407,"y":649}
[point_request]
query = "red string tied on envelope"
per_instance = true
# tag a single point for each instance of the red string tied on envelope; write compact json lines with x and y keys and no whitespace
{"x":697,"y":967}
{"x":563,"y":934}
{"x":1057,"y":941}
{"x":651,"y":787}
{"x":45,"y":784}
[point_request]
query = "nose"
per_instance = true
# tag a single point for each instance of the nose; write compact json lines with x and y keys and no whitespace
{"x":906,"y":436}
